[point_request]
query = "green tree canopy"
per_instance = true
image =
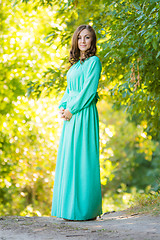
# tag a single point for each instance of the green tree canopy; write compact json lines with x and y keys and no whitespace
{"x":128,"y":45}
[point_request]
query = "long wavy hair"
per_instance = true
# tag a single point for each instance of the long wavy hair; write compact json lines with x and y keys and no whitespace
{"x":75,"y":52}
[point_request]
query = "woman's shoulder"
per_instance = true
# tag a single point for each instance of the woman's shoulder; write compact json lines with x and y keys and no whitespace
{"x":93,"y":59}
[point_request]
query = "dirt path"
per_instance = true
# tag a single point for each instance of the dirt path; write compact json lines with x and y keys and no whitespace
{"x":111,"y":226}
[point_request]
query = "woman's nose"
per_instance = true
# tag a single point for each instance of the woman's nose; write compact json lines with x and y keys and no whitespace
{"x":83,"y":39}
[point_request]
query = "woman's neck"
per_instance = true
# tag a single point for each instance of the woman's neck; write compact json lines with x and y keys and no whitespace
{"x":82,"y":54}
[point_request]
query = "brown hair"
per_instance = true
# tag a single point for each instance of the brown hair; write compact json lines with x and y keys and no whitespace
{"x":75,"y":52}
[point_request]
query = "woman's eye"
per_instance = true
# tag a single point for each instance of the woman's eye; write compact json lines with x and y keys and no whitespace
{"x":87,"y":37}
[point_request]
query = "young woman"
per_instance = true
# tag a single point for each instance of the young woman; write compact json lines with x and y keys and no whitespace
{"x":77,"y":188}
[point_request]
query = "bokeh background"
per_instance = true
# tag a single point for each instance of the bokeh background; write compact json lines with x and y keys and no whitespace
{"x":35,"y":43}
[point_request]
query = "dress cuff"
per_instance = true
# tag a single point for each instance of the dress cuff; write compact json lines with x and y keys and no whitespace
{"x":70,"y":110}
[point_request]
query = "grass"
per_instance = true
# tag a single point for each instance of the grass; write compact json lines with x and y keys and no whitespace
{"x":146,"y":203}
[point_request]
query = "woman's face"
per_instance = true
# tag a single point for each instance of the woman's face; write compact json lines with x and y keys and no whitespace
{"x":84,"y":40}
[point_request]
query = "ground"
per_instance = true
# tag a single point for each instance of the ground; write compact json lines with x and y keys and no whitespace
{"x":117,"y":225}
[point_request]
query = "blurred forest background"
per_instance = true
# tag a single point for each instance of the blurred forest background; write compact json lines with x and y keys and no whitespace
{"x":35,"y":43}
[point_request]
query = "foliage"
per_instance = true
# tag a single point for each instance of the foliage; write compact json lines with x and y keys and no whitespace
{"x":128,"y":42}
{"x":28,"y":145}
{"x":133,"y":51}
{"x":125,"y":148}
{"x":28,"y":158}
{"x":129,"y":158}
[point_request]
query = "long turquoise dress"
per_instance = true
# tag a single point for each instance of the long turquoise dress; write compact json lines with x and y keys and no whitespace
{"x":77,"y":188}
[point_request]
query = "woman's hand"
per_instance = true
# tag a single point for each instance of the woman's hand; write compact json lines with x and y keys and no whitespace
{"x":62,"y":112}
{"x":67,"y":114}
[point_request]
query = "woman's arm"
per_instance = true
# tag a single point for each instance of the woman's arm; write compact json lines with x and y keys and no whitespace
{"x":66,"y":115}
{"x":88,"y":93}
{"x":63,"y":101}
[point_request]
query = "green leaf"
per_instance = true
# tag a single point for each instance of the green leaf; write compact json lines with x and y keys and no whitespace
{"x":137,"y":7}
{"x":158,"y":54}
{"x":154,"y":43}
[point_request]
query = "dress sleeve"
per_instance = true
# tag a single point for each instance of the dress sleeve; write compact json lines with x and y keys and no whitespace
{"x":63,"y":101}
{"x":89,"y":90}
